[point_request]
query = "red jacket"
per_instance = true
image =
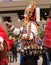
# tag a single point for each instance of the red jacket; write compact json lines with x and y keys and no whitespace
{"x":47,"y":34}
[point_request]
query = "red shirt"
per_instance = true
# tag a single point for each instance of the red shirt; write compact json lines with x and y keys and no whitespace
{"x":10,"y":43}
{"x":47,"y":34}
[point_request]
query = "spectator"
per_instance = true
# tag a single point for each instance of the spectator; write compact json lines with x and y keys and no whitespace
{"x":47,"y":41}
{"x":10,"y":43}
{"x":10,"y":49}
{"x":14,"y":49}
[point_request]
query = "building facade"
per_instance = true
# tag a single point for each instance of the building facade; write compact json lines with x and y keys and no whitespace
{"x":15,"y":8}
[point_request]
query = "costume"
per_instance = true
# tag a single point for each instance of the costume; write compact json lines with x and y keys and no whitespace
{"x":29,"y":31}
{"x":3,"y":46}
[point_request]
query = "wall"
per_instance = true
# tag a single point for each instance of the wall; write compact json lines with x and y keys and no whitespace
{"x":20,"y":5}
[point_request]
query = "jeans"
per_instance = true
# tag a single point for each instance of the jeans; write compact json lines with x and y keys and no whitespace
{"x":47,"y":58}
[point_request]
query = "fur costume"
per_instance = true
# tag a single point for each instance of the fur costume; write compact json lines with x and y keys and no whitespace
{"x":29,"y":31}
{"x":3,"y":46}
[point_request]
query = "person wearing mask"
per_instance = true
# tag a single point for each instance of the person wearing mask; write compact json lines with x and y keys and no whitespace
{"x":28,"y":31}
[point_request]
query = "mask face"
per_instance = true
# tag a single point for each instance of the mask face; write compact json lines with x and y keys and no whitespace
{"x":1,"y":46}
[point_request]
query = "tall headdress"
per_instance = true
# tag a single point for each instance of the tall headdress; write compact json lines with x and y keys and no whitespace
{"x":30,"y":12}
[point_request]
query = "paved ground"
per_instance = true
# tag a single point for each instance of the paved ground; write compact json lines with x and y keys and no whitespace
{"x":14,"y":63}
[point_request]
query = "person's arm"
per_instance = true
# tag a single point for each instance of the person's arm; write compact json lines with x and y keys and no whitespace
{"x":15,"y":30}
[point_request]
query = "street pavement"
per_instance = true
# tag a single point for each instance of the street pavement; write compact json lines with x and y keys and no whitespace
{"x":14,"y":63}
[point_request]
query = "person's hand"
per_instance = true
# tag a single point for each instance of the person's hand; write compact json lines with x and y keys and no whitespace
{"x":7,"y":23}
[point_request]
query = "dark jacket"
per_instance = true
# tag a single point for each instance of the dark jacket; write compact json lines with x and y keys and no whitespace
{"x":14,"y":47}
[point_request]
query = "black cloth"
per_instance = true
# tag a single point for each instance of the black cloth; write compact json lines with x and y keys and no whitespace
{"x":14,"y":47}
{"x":28,"y":59}
{"x":44,"y":60}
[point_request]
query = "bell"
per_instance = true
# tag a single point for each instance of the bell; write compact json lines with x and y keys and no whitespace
{"x":22,"y":50}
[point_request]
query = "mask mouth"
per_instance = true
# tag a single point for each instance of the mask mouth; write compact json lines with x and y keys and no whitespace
{"x":1,"y":46}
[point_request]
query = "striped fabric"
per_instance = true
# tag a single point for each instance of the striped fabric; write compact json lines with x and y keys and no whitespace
{"x":24,"y":29}
{"x":29,"y":31}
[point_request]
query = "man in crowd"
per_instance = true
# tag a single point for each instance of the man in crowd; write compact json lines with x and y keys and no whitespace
{"x":47,"y":41}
